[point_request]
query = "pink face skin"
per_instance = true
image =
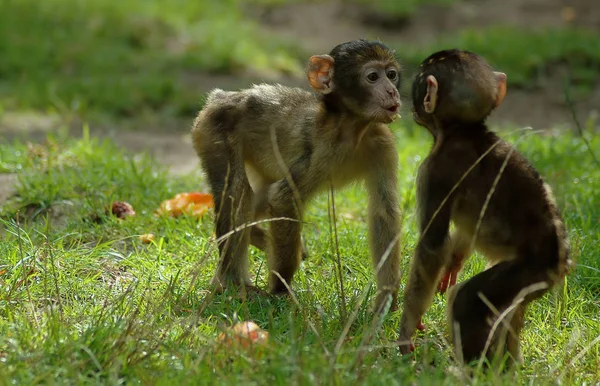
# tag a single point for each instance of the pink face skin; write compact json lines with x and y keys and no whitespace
{"x":382,"y":79}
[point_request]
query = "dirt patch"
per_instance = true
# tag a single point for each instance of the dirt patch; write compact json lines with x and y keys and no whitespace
{"x":166,"y":140}
{"x":546,"y":108}
{"x":172,"y":149}
{"x":319,"y":26}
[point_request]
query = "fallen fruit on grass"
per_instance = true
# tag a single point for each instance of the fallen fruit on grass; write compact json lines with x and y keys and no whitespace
{"x":122,"y":209}
{"x":147,"y":238}
{"x":243,"y":336}
{"x":194,"y":204}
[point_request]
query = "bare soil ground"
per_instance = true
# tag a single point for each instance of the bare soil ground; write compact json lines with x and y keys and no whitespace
{"x":321,"y":25}
{"x":318,"y":26}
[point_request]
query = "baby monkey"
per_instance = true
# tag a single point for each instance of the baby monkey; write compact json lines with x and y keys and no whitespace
{"x":498,"y":203}
{"x":268,"y":150}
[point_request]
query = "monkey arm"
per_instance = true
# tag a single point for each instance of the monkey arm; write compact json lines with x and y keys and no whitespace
{"x":384,"y":226}
{"x":430,"y":255}
{"x":449,"y":278}
{"x":460,"y":250}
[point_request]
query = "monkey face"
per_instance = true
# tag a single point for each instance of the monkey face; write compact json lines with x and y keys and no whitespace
{"x":380,"y":80}
{"x":360,"y":76}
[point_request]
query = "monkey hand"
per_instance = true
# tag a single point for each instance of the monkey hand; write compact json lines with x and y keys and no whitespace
{"x":450,"y":275}
{"x":448,"y":280}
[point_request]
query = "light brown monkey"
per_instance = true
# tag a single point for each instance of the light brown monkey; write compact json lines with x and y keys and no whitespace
{"x":497,"y":202}
{"x":270,"y":149}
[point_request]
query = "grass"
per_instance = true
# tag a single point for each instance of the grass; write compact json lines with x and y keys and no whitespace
{"x":132,"y":58}
{"x":528,"y":57}
{"x":84,"y":301}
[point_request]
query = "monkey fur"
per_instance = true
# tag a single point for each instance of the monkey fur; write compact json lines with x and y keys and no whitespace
{"x":519,"y":230}
{"x":268,"y":150}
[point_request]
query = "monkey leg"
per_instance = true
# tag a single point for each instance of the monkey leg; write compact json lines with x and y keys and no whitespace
{"x":232,"y":195}
{"x":259,"y":238}
{"x":508,"y":283}
{"x":514,"y":332}
{"x":284,"y":254}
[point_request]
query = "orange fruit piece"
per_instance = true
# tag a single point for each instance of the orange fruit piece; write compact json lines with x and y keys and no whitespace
{"x":243,"y":335}
{"x":193,"y":203}
{"x":147,"y":238}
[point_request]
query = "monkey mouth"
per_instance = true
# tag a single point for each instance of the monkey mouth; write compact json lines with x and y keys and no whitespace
{"x":393,"y":109}
{"x":388,"y":113}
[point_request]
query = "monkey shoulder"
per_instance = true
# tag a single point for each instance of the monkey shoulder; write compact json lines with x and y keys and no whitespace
{"x":448,"y":160}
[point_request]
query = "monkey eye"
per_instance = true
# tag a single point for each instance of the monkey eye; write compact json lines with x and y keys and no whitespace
{"x":392,"y":74}
{"x":372,"y":77}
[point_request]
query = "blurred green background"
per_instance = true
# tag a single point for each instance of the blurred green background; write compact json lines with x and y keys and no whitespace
{"x":153,"y":60}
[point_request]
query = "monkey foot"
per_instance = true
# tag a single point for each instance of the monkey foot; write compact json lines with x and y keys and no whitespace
{"x":241,"y":290}
{"x":251,"y":290}
{"x":280,"y":290}
{"x":406,"y":346}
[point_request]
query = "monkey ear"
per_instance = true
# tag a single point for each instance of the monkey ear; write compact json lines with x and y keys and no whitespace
{"x":431,"y":97}
{"x":320,"y":73}
{"x":501,"y":79}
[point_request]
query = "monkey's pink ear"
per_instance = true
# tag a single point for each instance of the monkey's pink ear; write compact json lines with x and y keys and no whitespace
{"x":501,"y":79}
{"x":320,"y":73}
{"x":431,"y":97}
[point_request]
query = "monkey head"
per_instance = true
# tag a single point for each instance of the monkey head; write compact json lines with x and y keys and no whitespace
{"x":360,"y":76}
{"x":455,"y":86}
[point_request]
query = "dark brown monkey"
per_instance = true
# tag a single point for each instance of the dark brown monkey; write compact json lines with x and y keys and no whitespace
{"x":497,"y":202}
{"x":270,"y":149}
